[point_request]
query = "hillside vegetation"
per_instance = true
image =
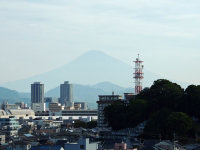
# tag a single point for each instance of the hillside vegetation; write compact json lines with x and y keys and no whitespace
{"x":168,"y":109}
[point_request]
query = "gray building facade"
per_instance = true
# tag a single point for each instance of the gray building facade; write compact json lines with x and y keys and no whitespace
{"x":37,"y":96}
{"x":66,"y":94}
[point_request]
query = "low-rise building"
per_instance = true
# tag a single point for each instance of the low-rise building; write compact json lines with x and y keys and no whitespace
{"x":20,"y":145}
{"x":81,"y":113}
{"x":49,"y":100}
{"x":18,"y":113}
{"x":22,"y":113}
{"x":2,"y":139}
{"x":80,"y":105}
{"x":122,"y":146}
{"x":10,"y":125}
{"x":16,"y":110}
{"x":22,"y":105}
{"x":83,"y":144}
{"x":38,"y":107}
{"x":48,"y":131}
{"x":55,"y":109}
{"x":77,"y":106}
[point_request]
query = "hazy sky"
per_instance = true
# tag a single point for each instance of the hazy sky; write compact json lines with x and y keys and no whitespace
{"x":39,"y":35}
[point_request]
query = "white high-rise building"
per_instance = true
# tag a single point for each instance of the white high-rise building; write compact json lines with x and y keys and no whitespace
{"x":37,"y":96}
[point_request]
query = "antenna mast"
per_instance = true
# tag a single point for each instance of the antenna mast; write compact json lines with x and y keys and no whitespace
{"x":138,"y":75}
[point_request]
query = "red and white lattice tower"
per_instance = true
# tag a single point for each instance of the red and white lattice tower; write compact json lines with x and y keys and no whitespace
{"x":138,"y":75}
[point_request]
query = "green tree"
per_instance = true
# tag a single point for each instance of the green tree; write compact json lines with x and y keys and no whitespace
{"x":167,"y":123}
{"x":157,"y":122}
{"x":191,"y":101}
{"x":78,"y":124}
{"x":162,"y":94}
{"x":136,"y":112}
{"x":87,"y":125}
{"x":178,"y":123}
{"x":165,"y":106}
{"x":120,"y":116}
{"x":91,"y":124}
{"x":116,"y":115}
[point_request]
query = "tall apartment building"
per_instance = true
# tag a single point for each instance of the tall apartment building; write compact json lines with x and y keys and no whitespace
{"x":66,"y":94}
{"x":104,"y":101}
{"x":37,"y":96}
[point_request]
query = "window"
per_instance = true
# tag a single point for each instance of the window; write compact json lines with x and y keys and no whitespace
{"x":81,"y":146}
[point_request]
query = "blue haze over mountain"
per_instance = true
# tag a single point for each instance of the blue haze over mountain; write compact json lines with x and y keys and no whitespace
{"x":12,"y":96}
{"x":88,"y":69}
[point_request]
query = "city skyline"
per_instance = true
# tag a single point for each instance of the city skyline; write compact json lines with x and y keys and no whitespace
{"x":39,"y":36}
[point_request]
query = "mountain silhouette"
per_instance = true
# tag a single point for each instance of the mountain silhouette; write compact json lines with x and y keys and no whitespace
{"x":88,"y":69}
{"x":12,"y":96}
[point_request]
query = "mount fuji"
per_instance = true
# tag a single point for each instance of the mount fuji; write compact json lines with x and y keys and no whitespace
{"x":90,"y":68}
